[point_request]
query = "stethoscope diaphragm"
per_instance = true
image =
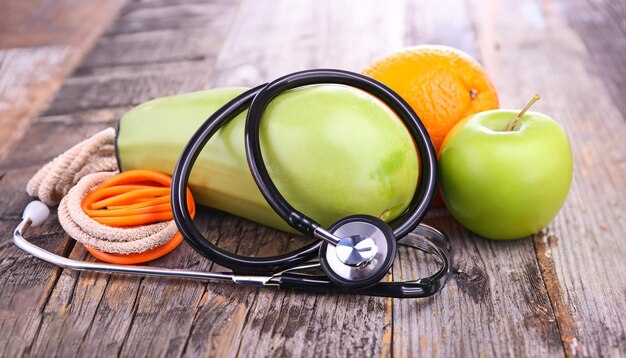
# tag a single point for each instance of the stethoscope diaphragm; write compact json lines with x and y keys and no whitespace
{"x":373,"y":270}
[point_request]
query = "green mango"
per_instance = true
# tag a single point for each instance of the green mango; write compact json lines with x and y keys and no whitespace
{"x":331,"y":150}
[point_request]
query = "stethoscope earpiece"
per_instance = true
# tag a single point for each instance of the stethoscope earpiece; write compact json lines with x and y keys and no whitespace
{"x":368,"y":256}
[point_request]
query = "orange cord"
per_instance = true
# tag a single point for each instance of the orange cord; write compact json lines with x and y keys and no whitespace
{"x":132,"y":198}
{"x":132,"y":259}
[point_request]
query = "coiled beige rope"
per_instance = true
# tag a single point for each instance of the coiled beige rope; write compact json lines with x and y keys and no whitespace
{"x":96,"y":154}
{"x":106,"y":238}
{"x":69,"y":177}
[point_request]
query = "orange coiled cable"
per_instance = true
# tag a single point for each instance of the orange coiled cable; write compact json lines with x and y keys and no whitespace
{"x":133,"y":198}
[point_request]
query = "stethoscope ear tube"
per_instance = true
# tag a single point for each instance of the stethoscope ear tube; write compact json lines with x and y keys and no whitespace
{"x":355,"y":268}
{"x":180,"y":178}
{"x":257,"y":98}
{"x":422,"y":198}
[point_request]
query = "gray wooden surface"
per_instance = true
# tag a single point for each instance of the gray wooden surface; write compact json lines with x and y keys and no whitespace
{"x":69,"y":69}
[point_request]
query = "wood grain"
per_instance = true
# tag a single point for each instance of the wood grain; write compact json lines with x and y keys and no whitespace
{"x":265,"y":322}
{"x":304,"y":35}
{"x":581,"y":252}
{"x":557,"y":293}
{"x":90,"y":313}
{"x":601,"y":27}
{"x":130,"y":316}
{"x":496,"y":303}
{"x":37,"y":23}
{"x":40,"y":44}
{"x":26,"y":281}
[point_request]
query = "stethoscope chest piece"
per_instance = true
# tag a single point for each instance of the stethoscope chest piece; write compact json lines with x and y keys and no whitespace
{"x":364,"y":254}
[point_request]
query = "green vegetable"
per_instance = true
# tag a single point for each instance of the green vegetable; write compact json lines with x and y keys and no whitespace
{"x":332,"y":151}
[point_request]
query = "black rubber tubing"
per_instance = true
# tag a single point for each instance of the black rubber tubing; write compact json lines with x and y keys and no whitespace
{"x":257,"y":99}
{"x":403,"y":224}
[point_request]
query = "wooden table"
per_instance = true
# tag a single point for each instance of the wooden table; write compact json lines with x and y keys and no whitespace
{"x":70,"y":68}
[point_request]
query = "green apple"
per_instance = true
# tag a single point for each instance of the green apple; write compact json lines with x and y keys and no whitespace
{"x":501,"y":183}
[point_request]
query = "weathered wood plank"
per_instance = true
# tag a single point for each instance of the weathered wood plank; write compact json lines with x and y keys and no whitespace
{"x":37,"y":23}
{"x":28,"y":76}
{"x":48,"y":141}
{"x":110,"y":315}
{"x":26,"y":282}
{"x":239,"y":320}
{"x":306,"y":35}
{"x":222,"y":317}
{"x":92,"y":314}
{"x":97,"y":314}
{"x":40,"y":43}
{"x":127,"y":89}
{"x":165,"y":311}
{"x":581,"y":253}
{"x":526,"y":297}
{"x":278,"y":323}
{"x":144,"y":16}
{"x":134,"y":67}
{"x":495,"y":303}
{"x":601,"y":27}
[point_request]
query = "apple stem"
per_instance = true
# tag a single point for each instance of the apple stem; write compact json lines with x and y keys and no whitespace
{"x":521,"y":113}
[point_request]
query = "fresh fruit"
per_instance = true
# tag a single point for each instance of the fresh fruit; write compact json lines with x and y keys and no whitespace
{"x":443,"y":85}
{"x":505,"y":184}
{"x":332,"y":151}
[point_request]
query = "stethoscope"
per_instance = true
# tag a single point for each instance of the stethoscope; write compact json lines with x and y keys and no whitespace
{"x":353,"y":255}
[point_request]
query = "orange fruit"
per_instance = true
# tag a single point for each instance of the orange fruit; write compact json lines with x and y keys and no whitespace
{"x":442,"y":84}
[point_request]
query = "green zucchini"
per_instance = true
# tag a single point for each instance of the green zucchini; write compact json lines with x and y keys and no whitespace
{"x":332,"y":151}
